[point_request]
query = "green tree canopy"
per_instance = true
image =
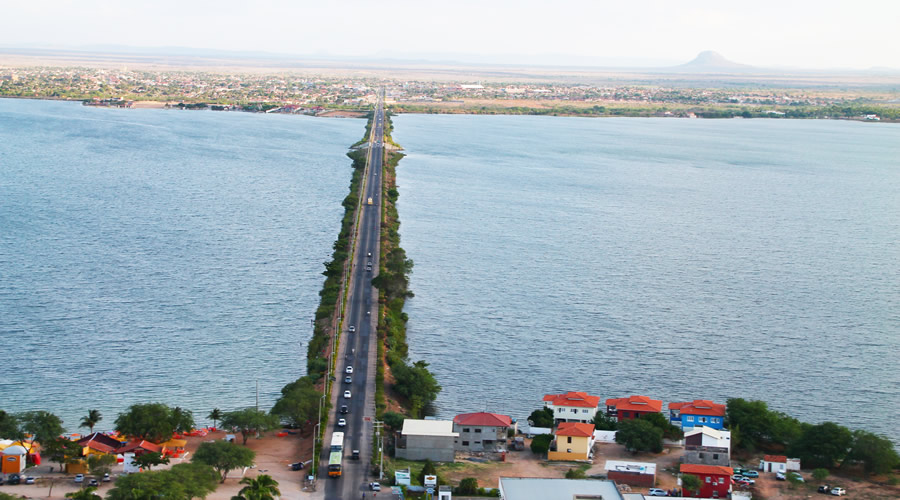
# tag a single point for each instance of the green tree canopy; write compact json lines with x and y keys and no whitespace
{"x":602,"y":422}
{"x":542,"y":417}
{"x":690,"y":484}
{"x":215,"y":416}
{"x":198,"y":480}
{"x":84,"y":494}
{"x":393,"y":420}
{"x":540,"y":445}
{"x":467,"y":487}
{"x":662,"y":423}
{"x":299,"y":403}
{"x":182,"y":420}
{"x":822,"y":445}
{"x":43,"y":426}
{"x":224,"y":456}
{"x":640,"y":435}
{"x":416,"y":383}
{"x":154,"y":422}
{"x":150,"y":460}
{"x":9,"y":426}
{"x":152,"y":485}
{"x":92,"y":418}
{"x":99,"y":465}
{"x":876,"y":453}
{"x":249,"y":421}
{"x":262,"y":487}
{"x":61,"y":451}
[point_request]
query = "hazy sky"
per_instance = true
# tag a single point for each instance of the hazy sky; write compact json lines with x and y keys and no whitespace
{"x":808,"y":34}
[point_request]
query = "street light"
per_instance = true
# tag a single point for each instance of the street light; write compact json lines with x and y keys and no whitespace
{"x":379,"y":433}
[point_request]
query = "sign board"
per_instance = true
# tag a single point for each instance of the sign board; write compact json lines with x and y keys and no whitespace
{"x":429,"y":490}
{"x":431,"y":481}
{"x":402,"y":477}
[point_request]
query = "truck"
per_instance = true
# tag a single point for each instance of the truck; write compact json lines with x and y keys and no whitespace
{"x":370,"y":200}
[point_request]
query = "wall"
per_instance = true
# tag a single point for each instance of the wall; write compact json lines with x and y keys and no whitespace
{"x":476,"y":439}
{"x":436,"y":448}
{"x":632,"y":478}
{"x":580,"y":446}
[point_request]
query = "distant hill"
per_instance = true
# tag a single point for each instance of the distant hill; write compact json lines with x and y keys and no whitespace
{"x":712,"y":62}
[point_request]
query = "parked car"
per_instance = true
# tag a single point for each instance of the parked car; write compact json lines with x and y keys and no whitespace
{"x":93,"y":482}
{"x":106,"y":478}
{"x":346,"y":394}
{"x":13,"y":479}
{"x":375,"y":486}
{"x":342,"y":422}
{"x":797,"y":476}
{"x":349,"y":369}
{"x":750,"y":473}
{"x":824,"y":489}
{"x":344,"y":409}
{"x":30,"y":480}
{"x":745,"y":481}
{"x":658,"y":492}
{"x":296,"y":466}
{"x":838,"y":492}
{"x":2,"y":480}
{"x":352,"y":329}
{"x":79,"y":478}
{"x":737,"y":477}
{"x":779,"y":476}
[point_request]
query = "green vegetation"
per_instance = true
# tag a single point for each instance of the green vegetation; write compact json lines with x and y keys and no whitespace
{"x":640,"y":434}
{"x":181,"y":482}
{"x":249,"y":421}
{"x":602,"y":422}
{"x":92,"y":418}
{"x":262,"y":487}
{"x":540,"y":445}
{"x":542,"y":417}
{"x":577,"y":472}
{"x":84,"y":494}
{"x":98,"y":465}
{"x":298,"y":405}
{"x":37,"y":426}
{"x":154,"y":422}
{"x":215,"y":416}
{"x":820,"y":474}
{"x":150,"y":460}
{"x":224,"y":456}
{"x":690,"y":483}
{"x":61,"y":451}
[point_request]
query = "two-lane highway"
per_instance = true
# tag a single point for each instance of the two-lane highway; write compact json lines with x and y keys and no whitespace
{"x":358,"y":347}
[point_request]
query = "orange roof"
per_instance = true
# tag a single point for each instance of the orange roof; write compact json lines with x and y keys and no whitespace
{"x":706,"y":469}
{"x":699,"y":407}
{"x":483,"y":419}
{"x":635,"y":403}
{"x":144,"y":445}
{"x":775,"y":458}
{"x":577,"y":429}
{"x":96,"y":445}
{"x":580,"y":399}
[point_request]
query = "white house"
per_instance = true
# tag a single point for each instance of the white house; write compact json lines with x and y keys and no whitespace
{"x":708,"y":437}
{"x":572,"y":406}
{"x":778,"y":463}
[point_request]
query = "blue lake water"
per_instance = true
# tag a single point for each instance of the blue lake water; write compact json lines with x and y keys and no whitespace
{"x":679,"y":259}
{"x":150,"y":255}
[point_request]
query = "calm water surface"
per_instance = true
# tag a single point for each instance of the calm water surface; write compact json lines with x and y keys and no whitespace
{"x":678,"y":259}
{"x":150,"y":255}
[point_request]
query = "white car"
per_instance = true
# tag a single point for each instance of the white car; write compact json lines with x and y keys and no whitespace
{"x":342,"y":423}
{"x":838,"y":492}
{"x":658,"y":492}
{"x":352,"y":329}
{"x":348,"y":370}
{"x":30,"y":480}
{"x":346,"y":394}
{"x":79,"y":478}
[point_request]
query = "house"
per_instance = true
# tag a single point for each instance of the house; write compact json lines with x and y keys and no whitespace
{"x":139,"y":447}
{"x":530,"y":488}
{"x":481,"y":431}
{"x":431,"y":439}
{"x":699,"y":412}
{"x":707,"y":446}
{"x":14,"y":458}
{"x":640,"y":474}
{"x":778,"y":463}
{"x":632,"y":407}
{"x":715,"y":480}
{"x":572,"y":406}
{"x":99,"y":444}
{"x":574,"y":441}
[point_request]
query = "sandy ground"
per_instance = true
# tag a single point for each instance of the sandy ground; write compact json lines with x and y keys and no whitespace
{"x":149,"y":104}
{"x":273,"y":454}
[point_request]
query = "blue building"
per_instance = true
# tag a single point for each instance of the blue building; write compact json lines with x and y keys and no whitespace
{"x":696,"y":413}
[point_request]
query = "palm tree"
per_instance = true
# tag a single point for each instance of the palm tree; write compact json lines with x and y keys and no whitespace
{"x":85,"y":494}
{"x":215,"y":416}
{"x":262,"y":487}
{"x":93,"y":418}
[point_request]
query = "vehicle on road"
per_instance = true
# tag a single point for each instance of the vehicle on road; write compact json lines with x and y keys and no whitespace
{"x":79,"y":478}
{"x":13,"y":479}
{"x":780,"y":476}
{"x":106,"y":478}
{"x":375,"y":486}
{"x":30,"y":480}
{"x":352,"y":329}
{"x":348,"y":379}
{"x":824,"y":489}
{"x":369,"y":267}
{"x":296,"y":466}
{"x":346,"y":394}
{"x":344,"y":409}
{"x":342,"y":423}
{"x":369,"y":255}
{"x":750,"y":473}
{"x":370,"y":200}
{"x":348,"y":370}
{"x":354,"y":455}
{"x":838,"y":492}
{"x":93,"y":482}
{"x":658,"y":492}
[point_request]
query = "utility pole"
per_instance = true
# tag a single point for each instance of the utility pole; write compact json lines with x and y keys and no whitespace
{"x":379,"y":433}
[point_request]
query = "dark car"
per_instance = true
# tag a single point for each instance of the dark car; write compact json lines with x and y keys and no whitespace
{"x":348,"y":379}
{"x":344,"y":409}
{"x":296,"y":466}
{"x":824,"y":489}
{"x":93,"y":482}
{"x":354,"y":455}
{"x":13,"y":479}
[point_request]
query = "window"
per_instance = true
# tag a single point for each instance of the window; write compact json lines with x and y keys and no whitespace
{"x":477,"y":442}
{"x":700,"y":455}
{"x":574,"y":410}
{"x":708,"y":479}
{"x":702,"y":420}
{"x":716,"y":420}
{"x":488,"y":441}
{"x":721,"y":480}
{"x":715,"y":456}
{"x":465,"y":443}
{"x":560,"y":410}
{"x":690,"y":418}
{"x":624,"y":414}
{"x":477,"y":430}
{"x":584,"y":411}
{"x":465,"y":429}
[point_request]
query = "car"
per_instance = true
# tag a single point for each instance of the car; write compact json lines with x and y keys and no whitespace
{"x":346,"y":394}
{"x":79,"y":478}
{"x":658,"y":492}
{"x":13,"y":479}
{"x":797,"y":476}
{"x":375,"y":486}
{"x":352,"y":329}
{"x":2,"y":480}
{"x":30,"y":480}
{"x":296,"y":466}
{"x":348,"y":379}
{"x":106,"y":478}
{"x":750,"y":473}
{"x":838,"y":492}
{"x":354,"y":455}
{"x":368,"y":268}
{"x":93,"y":482}
{"x":342,"y":422}
{"x":344,"y":409}
{"x":369,"y":254}
{"x":348,"y":370}
{"x":745,"y":481}
{"x":780,"y":476}
{"x":824,"y":489}
{"x":737,"y":477}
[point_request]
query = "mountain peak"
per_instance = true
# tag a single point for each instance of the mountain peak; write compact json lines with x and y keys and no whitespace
{"x":711,"y":61}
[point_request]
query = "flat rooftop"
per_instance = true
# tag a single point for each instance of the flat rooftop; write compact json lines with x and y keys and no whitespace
{"x":428,"y":428}
{"x":533,"y":488}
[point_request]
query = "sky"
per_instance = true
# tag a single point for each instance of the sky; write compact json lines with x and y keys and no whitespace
{"x":819,"y":34}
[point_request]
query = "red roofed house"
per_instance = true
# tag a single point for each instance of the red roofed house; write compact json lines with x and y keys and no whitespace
{"x":574,"y":441}
{"x":778,"y":463}
{"x":572,"y":406}
{"x":99,"y":444}
{"x":699,"y":412}
{"x":139,"y":447}
{"x":481,"y":431}
{"x":715,"y":480}
{"x":632,"y":407}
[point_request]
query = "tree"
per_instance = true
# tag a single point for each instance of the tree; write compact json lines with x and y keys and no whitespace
{"x":215,"y":416}
{"x":224,"y":456}
{"x":85,"y":494}
{"x":542,"y":417}
{"x":299,"y":402}
{"x":467,"y":487}
{"x":152,"y":485}
{"x":9,"y":426}
{"x":753,"y":418}
{"x":150,"y":421}
{"x":61,"y":451}
{"x":575,"y":473}
{"x":416,"y":383}
{"x":262,"y":487}
{"x":197,"y":479}
{"x":876,"y":453}
{"x":149,"y":460}
{"x":249,"y":420}
{"x":428,"y":470}
{"x":822,"y":445}
{"x":393,"y":420}
{"x":820,"y":474}
{"x":99,"y":465}
{"x":662,"y":423}
{"x":690,"y":483}
{"x":92,"y":418}
{"x":602,"y":422}
{"x":640,"y":435}
{"x":182,"y":420}
{"x":43,"y":427}
{"x":540,"y":445}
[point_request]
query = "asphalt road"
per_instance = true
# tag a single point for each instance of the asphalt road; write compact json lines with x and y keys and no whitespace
{"x":358,"y":349}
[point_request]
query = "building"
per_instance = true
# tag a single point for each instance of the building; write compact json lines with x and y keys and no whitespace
{"x":574,"y":441}
{"x":431,"y":439}
{"x":532,"y":488}
{"x":572,"y":406}
{"x":14,"y":458}
{"x":707,"y":446}
{"x":778,"y":463}
{"x":481,"y":431}
{"x":641,"y":474}
{"x":99,"y":444}
{"x":715,"y":480}
{"x":699,"y":412}
{"x":632,"y":407}
{"x":138,"y":447}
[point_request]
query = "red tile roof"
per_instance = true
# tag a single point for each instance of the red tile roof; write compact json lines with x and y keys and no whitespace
{"x":580,"y":399}
{"x":482,"y":418}
{"x":143,"y":445}
{"x":699,"y":407}
{"x":96,"y":445}
{"x":578,"y":429}
{"x":775,"y":458}
{"x":636,"y":403}
{"x":100,"y":438}
{"x":707,"y":469}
